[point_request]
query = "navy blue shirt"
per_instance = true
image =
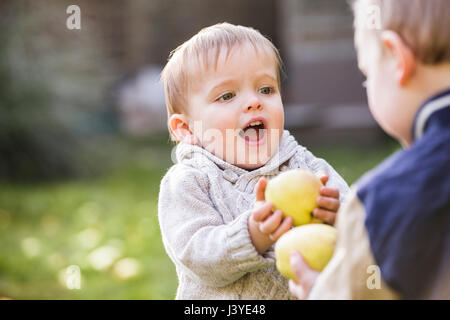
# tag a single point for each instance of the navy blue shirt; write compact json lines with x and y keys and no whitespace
{"x":407,"y":202}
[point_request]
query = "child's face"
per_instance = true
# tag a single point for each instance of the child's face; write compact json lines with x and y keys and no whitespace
{"x":387,"y":97}
{"x":224,"y":101}
{"x":380,"y":83}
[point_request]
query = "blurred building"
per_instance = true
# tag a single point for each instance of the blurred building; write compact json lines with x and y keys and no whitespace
{"x":322,"y":93}
{"x":139,"y":35}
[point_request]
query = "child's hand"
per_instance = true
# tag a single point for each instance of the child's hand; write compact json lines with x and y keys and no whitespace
{"x":328,"y":202}
{"x":265,"y":226}
{"x":306,"y":277}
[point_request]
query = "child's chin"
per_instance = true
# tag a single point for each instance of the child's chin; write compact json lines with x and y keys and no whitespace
{"x":253,"y":161}
{"x":250,"y":166}
{"x":249,"y":158}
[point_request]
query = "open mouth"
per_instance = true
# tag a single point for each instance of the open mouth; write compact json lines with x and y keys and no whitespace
{"x":254,"y":132}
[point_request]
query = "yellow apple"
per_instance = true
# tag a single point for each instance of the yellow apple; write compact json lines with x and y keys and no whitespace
{"x":295,"y":192}
{"x":314,"y":241}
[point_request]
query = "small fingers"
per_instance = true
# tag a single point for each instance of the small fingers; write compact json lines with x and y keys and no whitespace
{"x":271,"y":223}
{"x":328,"y":203}
{"x":260,"y":189}
{"x":284,"y":227}
{"x":298,"y":265}
{"x":304,"y":274}
{"x":296,"y":290}
{"x":322,"y":176}
{"x":326,"y":215}
{"x":329,"y":192}
{"x":262,"y":212}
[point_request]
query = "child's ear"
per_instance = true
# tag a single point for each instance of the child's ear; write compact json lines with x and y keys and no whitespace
{"x":179,"y":127}
{"x":405,"y":61}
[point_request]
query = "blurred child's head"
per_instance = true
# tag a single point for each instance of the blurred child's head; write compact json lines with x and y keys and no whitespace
{"x":217,"y":83}
{"x":404,"y":51}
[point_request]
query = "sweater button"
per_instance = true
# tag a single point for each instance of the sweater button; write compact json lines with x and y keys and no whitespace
{"x":230,"y":175}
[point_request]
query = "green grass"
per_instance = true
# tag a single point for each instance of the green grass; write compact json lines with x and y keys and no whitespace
{"x":44,"y":228}
{"x":351,"y":162}
{"x":118,"y":209}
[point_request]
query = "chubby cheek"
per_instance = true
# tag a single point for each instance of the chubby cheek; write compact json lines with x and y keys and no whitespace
{"x":277,"y":120}
{"x":380,"y":105}
{"x":371,"y":99}
{"x":374,"y":102}
{"x":215,"y":137}
{"x":275,"y":128}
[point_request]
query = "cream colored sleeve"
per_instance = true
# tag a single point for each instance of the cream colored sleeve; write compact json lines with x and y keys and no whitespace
{"x":352,"y":272}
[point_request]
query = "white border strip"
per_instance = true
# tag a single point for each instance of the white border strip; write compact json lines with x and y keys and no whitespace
{"x":425,"y":113}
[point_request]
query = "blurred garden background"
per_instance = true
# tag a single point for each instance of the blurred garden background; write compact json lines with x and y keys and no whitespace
{"x":83,"y":141}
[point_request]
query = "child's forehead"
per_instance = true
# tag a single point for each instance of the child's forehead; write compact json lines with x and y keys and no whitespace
{"x":220,"y":60}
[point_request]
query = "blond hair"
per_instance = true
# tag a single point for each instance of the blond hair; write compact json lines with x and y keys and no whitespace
{"x":424,"y":25}
{"x":199,"y":51}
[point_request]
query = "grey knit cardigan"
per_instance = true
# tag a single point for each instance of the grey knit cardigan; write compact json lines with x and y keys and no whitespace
{"x":203,"y":209}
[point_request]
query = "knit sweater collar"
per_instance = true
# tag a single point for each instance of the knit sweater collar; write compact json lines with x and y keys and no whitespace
{"x":286,"y":150}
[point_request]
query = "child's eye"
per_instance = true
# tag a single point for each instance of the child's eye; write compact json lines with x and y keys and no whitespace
{"x":266,"y":90}
{"x":226,"y":96}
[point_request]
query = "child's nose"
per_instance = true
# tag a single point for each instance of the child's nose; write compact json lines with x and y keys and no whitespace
{"x":253,"y":104}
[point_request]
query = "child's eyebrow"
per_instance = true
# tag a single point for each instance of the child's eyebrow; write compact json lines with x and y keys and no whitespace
{"x":222,"y":83}
{"x":231,"y":81}
{"x":266,"y":75}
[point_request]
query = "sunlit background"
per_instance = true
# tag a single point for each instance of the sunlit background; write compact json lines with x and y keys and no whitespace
{"x":83,"y":140}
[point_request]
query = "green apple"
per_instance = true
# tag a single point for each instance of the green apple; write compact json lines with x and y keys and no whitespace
{"x":314,"y":241}
{"x":295,"y":192}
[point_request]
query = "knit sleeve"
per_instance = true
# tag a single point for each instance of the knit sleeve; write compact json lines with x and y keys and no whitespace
{"x":317,"y":165}
{"x":195,"y":235}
